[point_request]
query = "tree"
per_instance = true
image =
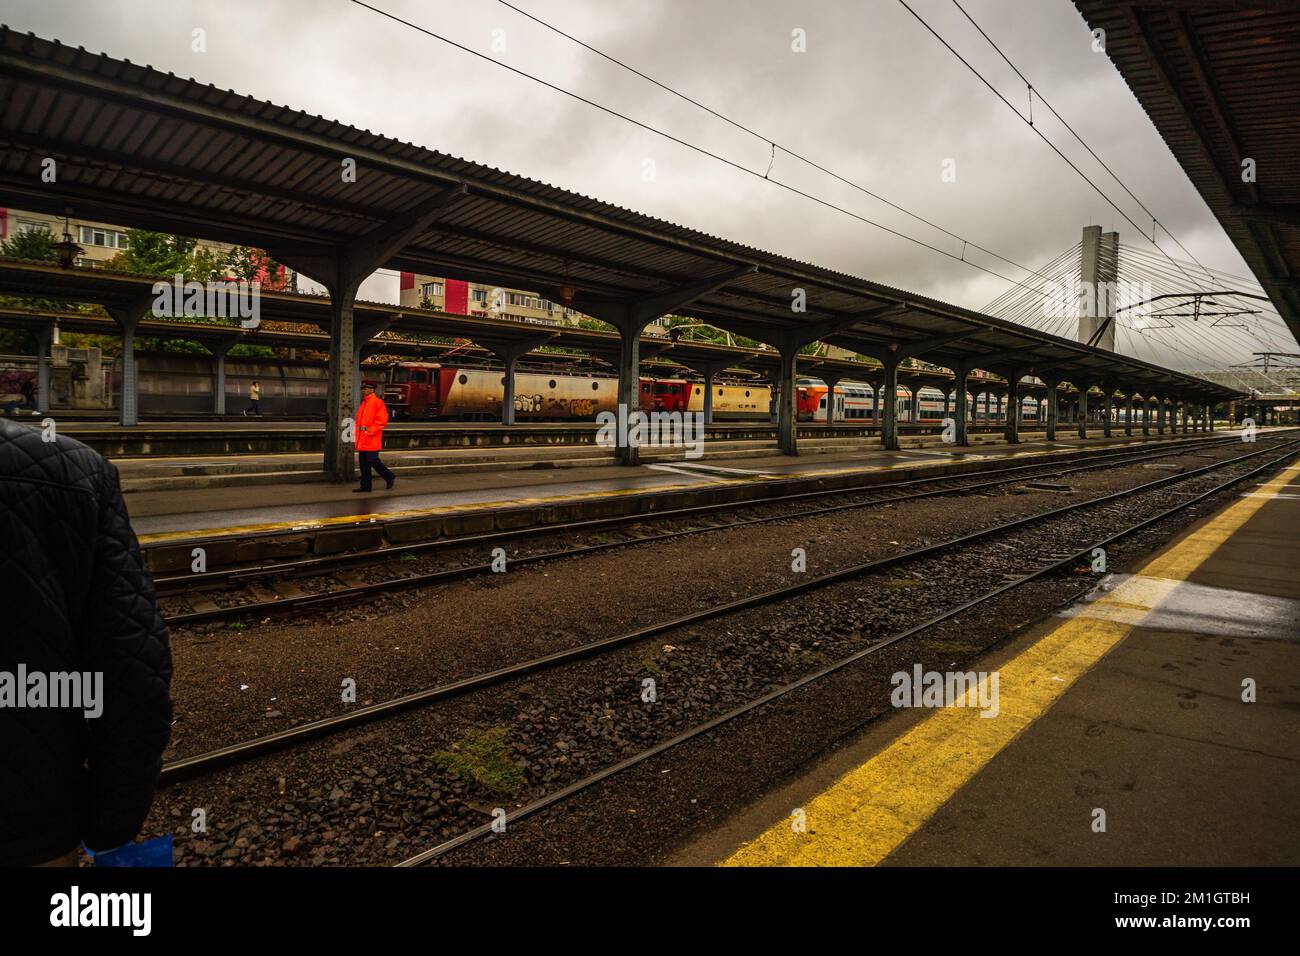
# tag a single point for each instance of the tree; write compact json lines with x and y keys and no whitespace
{"x":35,"y":244}
{"x":256,"y":265}
{"x":153,"y":254}
{"x":206,"y":264}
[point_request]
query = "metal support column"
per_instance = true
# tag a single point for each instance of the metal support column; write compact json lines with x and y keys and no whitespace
{"x":1015,"y":407}
{"x":219,"y":350}
{"x":1052,"y":407}
{"x":509,"y":352}
{"x":44,"y":346}
{"x":787,"y":409}
{"x":962,"y":408}
{"x":889,"y":433}
{"x":128,"y":319}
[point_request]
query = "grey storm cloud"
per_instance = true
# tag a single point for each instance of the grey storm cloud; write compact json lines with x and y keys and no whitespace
{"x":875,"y":98}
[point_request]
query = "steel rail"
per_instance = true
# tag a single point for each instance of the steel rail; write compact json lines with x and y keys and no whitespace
{"x":302,"y":601}
{"x":205,"y":762}
{"x":587,"y":782}
{"x":388,"y":554}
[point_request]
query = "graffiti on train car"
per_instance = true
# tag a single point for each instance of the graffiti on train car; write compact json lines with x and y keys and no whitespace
{"x":527,"y":404}
{"x":582,"y":407}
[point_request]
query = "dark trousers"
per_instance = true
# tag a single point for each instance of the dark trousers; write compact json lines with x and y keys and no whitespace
{"x":369,"y":460}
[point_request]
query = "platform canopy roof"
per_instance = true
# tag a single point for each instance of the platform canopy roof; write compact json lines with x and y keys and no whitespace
{"x":151,"y":150}
{"x":1220,"y":80}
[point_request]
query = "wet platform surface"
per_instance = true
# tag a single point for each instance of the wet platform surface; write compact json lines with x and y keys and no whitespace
{"x":1157,"y":723}
{"x":193,"y":511}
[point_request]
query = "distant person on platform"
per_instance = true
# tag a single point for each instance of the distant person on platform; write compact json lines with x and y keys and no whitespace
{"x":254,"y":400}
{"x":85,"y":709}
{"x":372,"y":416}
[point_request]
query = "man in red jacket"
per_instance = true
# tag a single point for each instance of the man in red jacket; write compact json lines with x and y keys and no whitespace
{"x":372,"y":416}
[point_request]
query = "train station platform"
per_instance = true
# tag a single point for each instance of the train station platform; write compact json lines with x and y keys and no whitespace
{"x":247,"y":521}
{"x":1152,"y":725}
{"x":198,"y":437}
{"x":177,"y":472}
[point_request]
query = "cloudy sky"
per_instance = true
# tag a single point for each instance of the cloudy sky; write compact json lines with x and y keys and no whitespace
{"x":874,"y":98}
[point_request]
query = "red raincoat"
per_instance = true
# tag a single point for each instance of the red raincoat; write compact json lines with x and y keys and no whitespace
{"x":372,"y":416}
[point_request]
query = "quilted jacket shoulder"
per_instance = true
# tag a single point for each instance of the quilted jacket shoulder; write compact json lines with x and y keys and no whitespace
{"x":77,"y":599}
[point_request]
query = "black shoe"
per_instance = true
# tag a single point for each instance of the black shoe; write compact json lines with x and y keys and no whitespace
{"x":391,"y":482}
{"x":361,"y":491}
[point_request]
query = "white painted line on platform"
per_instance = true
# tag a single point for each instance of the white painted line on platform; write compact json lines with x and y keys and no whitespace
{"x":679,"y":470}
{"x":719,"y":469}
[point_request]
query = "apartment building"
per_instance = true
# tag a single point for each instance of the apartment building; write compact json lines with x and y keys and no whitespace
{"x":99,"y":241}
{"x":473,"y":298}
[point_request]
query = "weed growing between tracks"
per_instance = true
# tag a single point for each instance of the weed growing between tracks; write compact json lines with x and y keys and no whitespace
{"x":564,"y":726}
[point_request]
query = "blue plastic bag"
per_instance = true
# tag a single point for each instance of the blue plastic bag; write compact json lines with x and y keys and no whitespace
{"x":154,"y":853}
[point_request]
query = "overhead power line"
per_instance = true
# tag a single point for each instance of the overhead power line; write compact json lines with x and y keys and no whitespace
{"x":1028,"y":120}
{"x":703,"y":151}
{"x":767,"y":140}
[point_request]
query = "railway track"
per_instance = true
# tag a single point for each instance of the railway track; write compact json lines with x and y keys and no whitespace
{"x":708,"y":726}
{"x":317,"y":582}
{"x":203,"y":763}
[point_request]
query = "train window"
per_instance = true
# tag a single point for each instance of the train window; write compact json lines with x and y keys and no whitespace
{"x":463,"y":379}
{"x":551,"y":384}
{"x":595,"y":386}
{"x":503,"y":381}
{"x":699,"y":391}
{"x":719,"y":393}
{"x":822,"y":403}
{"x":747,"y":393}
{"x":420,"y":375}
{"x":401,"y":375}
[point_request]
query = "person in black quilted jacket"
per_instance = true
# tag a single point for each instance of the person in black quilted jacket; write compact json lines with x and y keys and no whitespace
{"x":76,"y":600}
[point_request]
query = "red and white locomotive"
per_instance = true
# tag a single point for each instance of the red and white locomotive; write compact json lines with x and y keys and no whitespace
{"x":432,"y":390}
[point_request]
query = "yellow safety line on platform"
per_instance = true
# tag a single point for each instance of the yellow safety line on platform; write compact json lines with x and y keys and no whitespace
{"x":551,"y":501}
{"x":868,"y":813}
{"x":308,"y":524}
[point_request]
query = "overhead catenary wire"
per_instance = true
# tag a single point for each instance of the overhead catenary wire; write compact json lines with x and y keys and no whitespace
{"x":793,"y":154}
{"x":1044,"y":320}
{"x":1038,"y":132}
{"x":1155,"y":220}
{"x":740,"y":167}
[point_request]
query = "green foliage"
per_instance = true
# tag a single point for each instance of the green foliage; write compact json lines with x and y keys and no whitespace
{"x":247,"y":263}
{"x":17,"y":342}
{"x":150,"y":343}
{"x":483,"y":756}
{"x":154,"y":254}
{"x":206,"y":264}
{"x":251,"y":351}
{"x":30,"y":244}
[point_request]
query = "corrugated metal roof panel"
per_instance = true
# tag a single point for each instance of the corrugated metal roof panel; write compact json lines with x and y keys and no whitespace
{"x":151,"y":149}
{"x":1221,"y":83}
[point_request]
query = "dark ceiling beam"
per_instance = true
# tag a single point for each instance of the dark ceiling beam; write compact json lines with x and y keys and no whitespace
{"x":1210,"y":6}
{"x":1166,"y":78}
{"x":182,"y":176}
{"x":1274,"y":214}
{"x":1209,"y":91}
